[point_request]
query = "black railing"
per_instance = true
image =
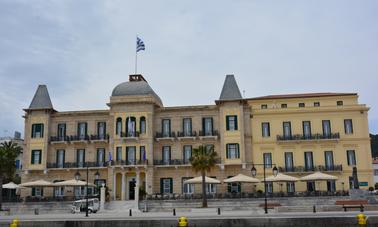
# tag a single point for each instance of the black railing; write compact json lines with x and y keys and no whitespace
{"x":59,"y":138}
{"x":208,"y":133}
{"x":129,"y":162}
{"x":79,"y":138}
{"x":301,"y":169}
{"x":187,"y":134}
{"x":165,"y":135}
{"x":76,"y":164}
{"x":177,"y":162}
{"x":99,"y":137}
{"x":308,"y":137}
{"x":130,"y":134}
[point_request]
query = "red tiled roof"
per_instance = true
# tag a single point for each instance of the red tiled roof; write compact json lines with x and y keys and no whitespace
{"x":305,"y":95}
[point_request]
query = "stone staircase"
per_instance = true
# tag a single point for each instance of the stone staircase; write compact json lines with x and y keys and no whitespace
{"x":121,"y":206}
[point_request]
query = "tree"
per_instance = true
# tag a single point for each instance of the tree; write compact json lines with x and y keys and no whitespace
{"x":8,"y":154}
{"x":202,"y":160}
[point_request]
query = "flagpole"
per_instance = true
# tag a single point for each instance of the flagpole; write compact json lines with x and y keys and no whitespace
{"x":136,"y":57}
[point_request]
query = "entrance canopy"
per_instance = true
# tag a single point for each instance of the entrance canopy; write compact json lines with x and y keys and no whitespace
{"x":318,"y":176}
{"x":240,"y":178}
{"x":198,"y":180}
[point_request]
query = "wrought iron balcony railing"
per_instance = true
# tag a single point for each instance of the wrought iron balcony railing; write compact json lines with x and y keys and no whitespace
{"x":187,"y":134}
{"x":130,"y":134}
{"x":302,"y":169}
{"x":165,"y":135}
{"x":129,"y":162}
{"x":76,"y":164}
{"x":76,"y":138}
{"x":308,"y":137}
{"x":209,"y":133}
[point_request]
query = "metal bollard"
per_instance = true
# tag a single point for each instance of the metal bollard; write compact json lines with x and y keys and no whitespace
{"x":36,"y":211}
{"x":314,"y":209}
{"x":182,"y":222}
{"x":362,"y":208}
{"x":130,"y":213}
{"x":174,"y":212}
{"x":219,"y":211}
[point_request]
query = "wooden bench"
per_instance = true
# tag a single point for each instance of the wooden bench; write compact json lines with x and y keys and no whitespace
{"x":270,"y":205}
{"x":347,"y":204}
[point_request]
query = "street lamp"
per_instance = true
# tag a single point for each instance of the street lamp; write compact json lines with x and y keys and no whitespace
{"x":77,"y":175}
{"x":254,"y":172}
{"x":97,"y":175}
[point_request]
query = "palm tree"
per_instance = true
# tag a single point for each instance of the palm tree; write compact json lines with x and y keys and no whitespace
{"x":202,"y":160}
{"x":8,"y":154}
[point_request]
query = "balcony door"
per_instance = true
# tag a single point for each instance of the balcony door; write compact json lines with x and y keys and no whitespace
{"x":289,"y":163}
{"x":328,"y":157}
{"x":287,"y":130}
{"x":309,"y":161}
{"x":166,"y":155}
{"x":130,"y":155}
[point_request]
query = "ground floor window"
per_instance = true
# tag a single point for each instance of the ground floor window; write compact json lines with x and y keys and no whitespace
{"x":187,"y":188}
{"x":331,"y":186}
{"x":269,"y":187}
{"x":290,"y":187}
{"x":37,"y":191}
{"x":310,"y":186}
{"x":211,"y":189}
{"x":166,"y":185}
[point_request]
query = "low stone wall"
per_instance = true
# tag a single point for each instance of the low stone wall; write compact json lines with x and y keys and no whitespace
{"x":271,"y":222}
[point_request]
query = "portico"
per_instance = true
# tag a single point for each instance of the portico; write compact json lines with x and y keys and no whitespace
{"x":127,"y":182}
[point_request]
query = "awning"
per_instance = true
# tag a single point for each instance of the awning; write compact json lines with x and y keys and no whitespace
{"x":318,"y":176}
{"x":281,"y":178}
{"x":242,"y":179}
{"x":37,"y":183}
{"x":198,"y":180}
{"x":73,"y":183}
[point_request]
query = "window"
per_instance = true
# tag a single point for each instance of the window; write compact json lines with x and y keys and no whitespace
{"x":142,"y":153}
{"x":118,"y":153}
{"x":301,"y":104}
{"x":130,"y":155}
{"x":265,"y":129}
{"x":37,"y":191}
{"x":287,"y":130}
{"x":61,"y":131}
{"x":82,"y":130}
{"x":351,"y":156}
{"x":101,"y":130}
{"x":142,"y":125}
{"x":267,"y":160}
{"x":130,"y":126}
{"x":326,"y":128}
{"x":166,"y":127}
{"x":340,"y":103}
{"x":233,"y":151}
{"x":309,"y":161}
{"x":316,"y":104}
{"x":209,"y":147}
{"x":231,"y":123}
{"x":284,"y":105}
{"x":101,"y":156}
{"x":166,"y":185}
{"x":166,"y":155}
{"x":80,"y":157}
{"x":36,"y":156}
{"x":269,"y":187}
{"x":264,"y":106}
{"x":37,"y":131}
{"x":60,"y":156}
{"x":207,"y":126}
{"x":58,"y":191}
{"x":233,"y":187}
{"x":331,"y":186}
{"x":376,"y":172}
{"x":187,"y":126}
{"x":187,"y":153}
{"x":187,"y":188}
{"x":328,"y":158}
{"x":289,"y":162}
{"x":290,"y":187}
{"x":310,"y":186}
{"x":306,"y":129}
{"x":119,"y":126}
{"x":211,"y":188}
{"x":348,"y":126}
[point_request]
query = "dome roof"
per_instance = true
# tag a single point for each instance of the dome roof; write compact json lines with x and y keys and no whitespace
{"x":132,"y":88}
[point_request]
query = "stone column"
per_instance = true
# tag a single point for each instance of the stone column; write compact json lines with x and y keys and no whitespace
{"x":123,"y":191}
{"x":114,"y":185}
{"x":137,"y":183}
{"x":102,"y":197}
{"x":149,"y":180}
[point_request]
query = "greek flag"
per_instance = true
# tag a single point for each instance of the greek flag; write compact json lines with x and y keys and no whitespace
{"x":140,"y":45}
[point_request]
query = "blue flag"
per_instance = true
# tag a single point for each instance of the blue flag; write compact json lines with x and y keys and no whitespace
{"x":140,"y":45}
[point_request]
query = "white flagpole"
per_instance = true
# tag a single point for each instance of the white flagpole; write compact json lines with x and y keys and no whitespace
{"x":136,"y":55}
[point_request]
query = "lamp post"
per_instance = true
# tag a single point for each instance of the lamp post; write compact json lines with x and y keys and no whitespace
{"x":254,"y":172}
{"x":86,"y":192}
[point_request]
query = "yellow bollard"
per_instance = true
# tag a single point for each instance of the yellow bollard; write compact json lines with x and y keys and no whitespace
{"x":182,"y":222}
{"x":14,"y":223}
{"x":361,"y":219}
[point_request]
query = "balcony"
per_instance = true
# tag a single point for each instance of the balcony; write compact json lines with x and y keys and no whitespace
{"x":99,"y":138}
{"x":129,"y":162}
{"x":79,"y":139}
{"x":208,"y":135}
{"x":68,"y":165}
{"x":165,"y":136}
{"x":303,"y":169}
{"x":313,"y":137}
{"x":130,"y":135}
{"x":59,"y":139}
{"x":171,"y":162}
{"x":187,"y":135}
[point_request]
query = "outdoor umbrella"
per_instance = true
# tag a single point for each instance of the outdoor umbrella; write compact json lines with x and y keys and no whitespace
{"x":318,"y":176}
{"x":240,"y":178}
{"x":10,"y":185}
{"x":198,"y":180}
{"x":37,"y":183}
{"x":281,"y":178}
{"x":73,"y":183}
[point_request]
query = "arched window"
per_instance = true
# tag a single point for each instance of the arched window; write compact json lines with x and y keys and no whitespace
{"x":130,"y":126}
{"x":142,"y":125}
{"x":119,"y":126}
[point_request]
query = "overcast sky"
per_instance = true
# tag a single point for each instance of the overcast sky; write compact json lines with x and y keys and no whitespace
{"x":82,"y":49}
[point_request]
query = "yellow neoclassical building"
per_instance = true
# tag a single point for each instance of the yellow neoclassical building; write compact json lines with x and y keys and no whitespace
{"x":138,"y":143}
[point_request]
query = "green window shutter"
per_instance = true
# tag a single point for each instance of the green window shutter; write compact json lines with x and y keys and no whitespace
{"x":33,"y":191}
{"x":56,"y":158}
{"x":86,"y":128}
{"x":236,"y":122}
{"x":42,"y":126}
{"x":227,"y":123}
{"x":227,"y":156}
{"x":203,"y":125}
{"x":41,"y":191}
{"x":32,"y":157}
{"x":64,"y":157}
{"x":161,"y":185}
{"x":171,"y":185}
{"x":238,"y":147}
{"x":84,"y":157}
{"x":40,"y":157}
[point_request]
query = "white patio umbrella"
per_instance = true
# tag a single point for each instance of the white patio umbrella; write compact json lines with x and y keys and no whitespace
{"x":198,"y":180}
{"x":318,"y":176}
{"x":281,"y":178}
{"x":37,"y":183}
{"x":11,"y":185}
{"x":73,"y":183}
{"x":240,"y":178}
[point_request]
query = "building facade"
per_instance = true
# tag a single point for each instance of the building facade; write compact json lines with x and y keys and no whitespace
{"x":138,"y":143}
